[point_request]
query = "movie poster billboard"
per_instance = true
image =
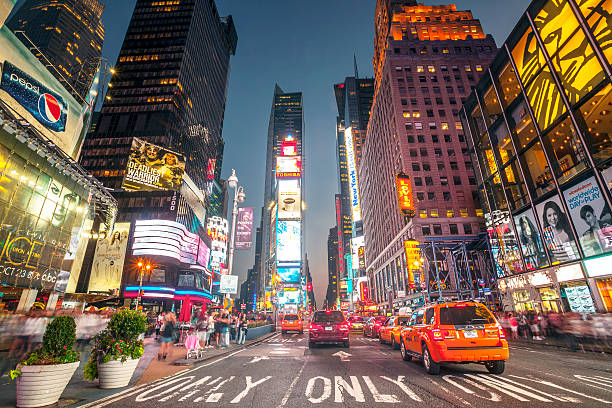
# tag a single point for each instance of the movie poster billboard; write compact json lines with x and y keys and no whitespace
{"x":152,"y":167}
{"x":288,"y":241}
{"x":558,"y":237}
{"x":530,"y":240}
{"x":244,"y":228}
{"x":107,"y":266}
{"x":289,"y":200}
{"x":591,"y":216}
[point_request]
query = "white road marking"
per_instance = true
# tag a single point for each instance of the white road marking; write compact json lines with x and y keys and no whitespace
{"x":326,"y":389}
{"x":507,"y":388}
{"x":378,"y":397}
{"x":249,"y":386}
{"x":214,"y":397}
{"x":550,"y":384}
{"x":400,"y":383}
{"x":343,"y":355}
{"x":195,"y":384}
{"x":256,"y":359}
{"x":354,"y":389}
{"x":604,"y":382}
{"x":143,"y":396}
{"x":494,"y":397}
{"x":455,"y":396}
{"x":290,"y":389}
{"x":215,"y":388}
{"x":502,"y":381}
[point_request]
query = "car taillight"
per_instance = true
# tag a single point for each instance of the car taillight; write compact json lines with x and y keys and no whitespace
{"x":502,"y":335}
{"x":315,"y":327}
{"x":437,"y":334}
{"x":343,"y":327}
{"x":377,"y":325}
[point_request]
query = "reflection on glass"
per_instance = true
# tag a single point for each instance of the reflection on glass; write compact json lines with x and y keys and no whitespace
{"x":565,"y":151}
{"x":597,"y":14}
{"x":515,"y":186}
{"x":509,"y":88}
{"x":537,"y":172}
{"x":523,"y":126}
{"x":504,"y":144}
{"x":492,"y":104}
{"x":498,"y":194}
{"x":485,"y":154}
{"x":478,"y":121}
{"x":531,"y":243}
{"x":545,"y":99}
{"x":597,"y":124}
{"x":528,"y":56}
{"x":504,"y":248}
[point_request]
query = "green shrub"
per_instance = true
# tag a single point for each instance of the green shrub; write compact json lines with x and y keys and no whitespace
{"x":60,"y":335}
{"x":127,"y":325}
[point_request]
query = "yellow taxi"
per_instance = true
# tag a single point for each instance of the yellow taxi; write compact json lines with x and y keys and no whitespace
{"x":390,"y":330}
{"x":292,"y":322}
{"x":455,"y":332}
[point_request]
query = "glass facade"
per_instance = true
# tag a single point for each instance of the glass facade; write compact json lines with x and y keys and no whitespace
{"x":539,"y":126}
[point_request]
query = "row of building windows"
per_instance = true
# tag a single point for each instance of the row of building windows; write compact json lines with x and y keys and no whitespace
{"x":433,"y":78}
{"x":432,"y":126}
{"x":423,"y":152}
{"x":435,"y":139}
{"x":450,"y":213}
{"x":429,"y":112}
{"x":428,"y":101}
{"x":418,"y":181}
{"x":446,"y":196}
{"x":468,"y":50}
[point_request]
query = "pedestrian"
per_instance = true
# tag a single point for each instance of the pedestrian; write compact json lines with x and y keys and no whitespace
{"x":211,"y":328}
{"x":534,"y":325}
{"x":225,"y":323}
{"x":242,"y":330}
{"x":218,"y":328}
{"x":513,"y":326}
{"x":522,"y":322}
{"x":159,"y":323}
{"x":169,"y":333}
{"x":202,"y":328}
{"x":232,"y":328}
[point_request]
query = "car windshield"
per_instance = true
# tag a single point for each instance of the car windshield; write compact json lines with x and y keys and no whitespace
{"x":381,"y":319}
{"x":402,"y":321}
{"x":476,"y":314}
{"x":328,"y":317}
{"x":357,"y":319}
{"x":291,"y":317}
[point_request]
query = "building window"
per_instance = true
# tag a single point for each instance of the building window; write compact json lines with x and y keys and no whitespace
{"x":416,"y":167}
{"x":419,"y":68}
{"x":406,"y":114}
{"x":431,"y":196}
{"x":418,"y":125}
{"x":468,"y":68}
{"x":422,"y":78}
{"x":457,"y":180}
{"x":479,"y":212}
{"x":397,"y":51}
{"x":437,"y":229}
{"x":444,"y":181}
{"x":446,"y":195}
{"x":431,"y":68}
{"x":428,"y":181}
{"x":432,"y":125}
{"x":418,"y":181}
{"x":421,"y":196}
{"x":478,"y":68}
{"x":444,"y":125}
{"x":410,"y":139}
{"x":426,"y":230}
{"x":454,"y":166}
{"x":404,"y":102}
{"x":427,"y":101}
{"x":423,"y":214}
{"x":434,"y":139}
{"x":421,"y":138}
{"x":450,"y":213}
{"x":408,"y":126}
{"x":413,"y":153}
{"x":467,"y":229}
{"x":472,"y":181}
{"x":453,"y":229}
{"x":463,"y":212}
{"x":433,"y":212}
{"x":450,"y":152}
{"x":443,"y":68}
{"x":426,"y":167}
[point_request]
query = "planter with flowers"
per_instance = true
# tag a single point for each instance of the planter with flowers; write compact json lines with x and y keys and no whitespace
{"x":45,"y":372}
{"x":117,"y":350}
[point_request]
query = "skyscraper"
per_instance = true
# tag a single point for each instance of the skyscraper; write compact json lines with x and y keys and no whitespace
{"x":68,"y":34}
{"x":158,"y":142}
{"x":426,"y":60}
{"x":282,"y":262}
{"x":332,"y":268}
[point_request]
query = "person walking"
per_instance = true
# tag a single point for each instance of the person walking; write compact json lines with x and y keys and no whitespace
{"x":242,"y":329}
{"x":202,"y":328}
{"x":211,"y":328}
{"x":225,"y":323}
{"x":218,"y":328}
{"x":168,"y":335}
{"x":513,"y":326}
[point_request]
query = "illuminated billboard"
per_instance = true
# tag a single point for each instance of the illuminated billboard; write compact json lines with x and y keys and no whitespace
{"x":244,"y":228}
{"x":413,"y":256}
{"x":152,"y":167}
{"x":165,"y":238}
{"x":352,"y":172}
{"x":288,"y":241}
{"x":217,"y":230}
{"x":34,"y":94}
{"x":289,"y":148}
{"x":288,"y":166}
{"x":404,"y":194}
{"x":289,"y":199}
{"x":107,"y":265}
{"x":288,"y":275}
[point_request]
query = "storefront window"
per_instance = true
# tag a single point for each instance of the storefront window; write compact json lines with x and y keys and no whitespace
{"x":509,"y":88}
{"x":485,"y":154}
{"x":558,"y":236}
{"x":492,"y":104}
{"x":530,"y":240}
{"x":504,"y":246}
{"x":503,"y":144}
{"x":496,"y":193}
{"x":515,"y":186}
{"x":528,"y":56}
{"x":597,"y":13}
{"x":604,"y":286}
{"x":550,"y":299}
{"x":537,"y":172}
{"x":576,"y":297}
{"x":481,"y":128}
{"x":565,"y":151}
{"x":523,"y":126}
{"x":595,"y":121}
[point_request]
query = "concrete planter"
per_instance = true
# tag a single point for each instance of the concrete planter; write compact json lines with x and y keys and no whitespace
{"x":40,"y":385}
{"x":256,"y":332}
{"x":116,"y":374}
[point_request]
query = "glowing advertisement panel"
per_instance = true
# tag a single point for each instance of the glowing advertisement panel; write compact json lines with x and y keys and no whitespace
{"x":165,"y":238}
{"x":289,"y":148}
{"x":33,"y":93}
{"x":288,"y":275}
{"x":217,"y":230}
{"x":352,"y":172}
{"x":288,"y":166}
{"x":288,"y":241}
{"x":289,"y":200}
{"x":107,"y":265}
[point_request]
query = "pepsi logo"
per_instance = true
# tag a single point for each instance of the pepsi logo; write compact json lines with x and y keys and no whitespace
{"x":49,"y":108}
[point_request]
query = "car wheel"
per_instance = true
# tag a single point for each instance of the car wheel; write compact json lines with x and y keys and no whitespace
{"x":380,"y":339}
{"x":311,"y":344}
{"x":347,"y":344}
{"x":496,"y":367}
{"x":431,"y":366}
{"x":404,"y":352}
{"x":394,"y":344}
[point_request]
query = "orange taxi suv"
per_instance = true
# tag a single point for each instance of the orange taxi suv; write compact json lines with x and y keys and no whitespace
{"x":455,"y":332}
{"x":390,"y":330}
{"x":292,"y":322}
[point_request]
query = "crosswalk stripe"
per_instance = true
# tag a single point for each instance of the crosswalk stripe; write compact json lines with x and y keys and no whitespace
{"x":505,"y":385}
{"x":553,"y":385}
{"x":599,"y":380}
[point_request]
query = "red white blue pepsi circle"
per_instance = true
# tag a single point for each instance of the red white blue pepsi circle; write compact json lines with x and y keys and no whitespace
{"x":49,"y":108}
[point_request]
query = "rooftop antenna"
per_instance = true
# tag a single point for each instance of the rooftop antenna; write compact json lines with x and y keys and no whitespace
{"x":355,"y":64}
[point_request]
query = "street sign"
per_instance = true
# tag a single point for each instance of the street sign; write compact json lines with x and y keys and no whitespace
{"x":401,"y":293}
{"x":229,"y":284}
{"x":487,"y":291}
{"x":481,"y":282}
{"x":243,"y":306}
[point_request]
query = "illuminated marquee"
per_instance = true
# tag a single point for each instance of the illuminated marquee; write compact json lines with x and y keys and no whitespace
{"x":413,"y":257}
{"x":289,"y":148}
{"x":288,"y":166}
{"x":404,"y":194}
{"x":352,"y":172}
{"x":165,"y":238}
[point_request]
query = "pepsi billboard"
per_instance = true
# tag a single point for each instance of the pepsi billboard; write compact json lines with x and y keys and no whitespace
{"x":46,"y":106}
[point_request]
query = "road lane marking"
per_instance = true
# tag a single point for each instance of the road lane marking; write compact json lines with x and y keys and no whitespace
{"x":494,"y":397}
{"x":343,"y":355}
{"x":142,"y":397}
{"x":201,"y":381}
{"x":504,"y":380}
{"x":354,"y":389}
{"x":256,"y":359}
{"x":508,"y":389}
{"x":327,"y":387}
{"x":249,"y":386}
{"x":212,"y":390}
{"x":378,"y":397}
{"x":553,"y":385}
{"x":290,"y":389}
{"x":195,"y":384}
{"x":455,"y":396}
{"x":400,"y":383}
{"x":597,"y":379}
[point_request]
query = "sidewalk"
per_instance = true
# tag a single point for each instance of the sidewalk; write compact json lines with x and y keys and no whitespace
{"x":80,"y":391}
{"x":564,"y":342}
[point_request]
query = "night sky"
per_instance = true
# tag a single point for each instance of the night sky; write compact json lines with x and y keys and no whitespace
{"x":302,"y":46}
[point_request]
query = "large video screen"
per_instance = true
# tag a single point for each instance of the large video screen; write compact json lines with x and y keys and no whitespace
{"x":289,"y":275}
{"x":288,"y":166}
{"x":289,"y":200}
{"x":152,"y":167}
{"x":288,"y":241}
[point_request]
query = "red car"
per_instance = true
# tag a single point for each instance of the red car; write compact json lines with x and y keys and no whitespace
{"x":373,"y":325}
{"x":328,"y":327}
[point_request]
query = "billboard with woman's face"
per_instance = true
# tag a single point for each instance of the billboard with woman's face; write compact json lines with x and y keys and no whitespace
{"x":531,"y":242}
{"x":558,"y":236}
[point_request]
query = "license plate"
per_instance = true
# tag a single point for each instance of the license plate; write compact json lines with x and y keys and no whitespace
{"x":329,"y":328}
{"x":470,"y":334}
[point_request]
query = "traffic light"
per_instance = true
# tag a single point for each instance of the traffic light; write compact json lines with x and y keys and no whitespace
{"x":309,"y":287}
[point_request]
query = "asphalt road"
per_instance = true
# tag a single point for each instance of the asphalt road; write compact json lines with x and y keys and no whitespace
{"x":282,"y":371}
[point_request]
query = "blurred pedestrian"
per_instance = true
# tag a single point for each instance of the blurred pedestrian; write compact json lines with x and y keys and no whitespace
{"x":513,"y":326}
{"x":169,"y":332}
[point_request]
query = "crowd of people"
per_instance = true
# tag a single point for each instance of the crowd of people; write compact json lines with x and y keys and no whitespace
{"x":591,"y":332}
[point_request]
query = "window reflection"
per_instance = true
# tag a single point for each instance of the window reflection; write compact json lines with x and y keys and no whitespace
{"x":515,"y":186}
{"x":485,"y":154}
{"x":504,"y":248}
{"x":492,"y":105}
{"x":558,"y":236}
{"x":597,"y":14}
{"x":504,"y":147}
{"x":596,"y":123}
{"x":478,"y":120}
{"x":523,"y":126}
{"x":565,"y":151}
{"x":537,"y":172}
{"x":509,"y":88}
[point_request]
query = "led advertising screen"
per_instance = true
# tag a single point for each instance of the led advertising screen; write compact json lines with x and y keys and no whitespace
{"x":217,"y":230}
{"x":288,"y":166}
{"x":289,"y":200}
{"x":404,"y":194}
{"x":288,"y":241}
{"x":34,"y":94}
{"x":244,"y":228}
{"x":165,"y":238}
{"x":107,"y":265}
{"x":352,"y":172}
{"x":152,"y":167}
{"x":289,"y":148}
{"x":288,"y":275}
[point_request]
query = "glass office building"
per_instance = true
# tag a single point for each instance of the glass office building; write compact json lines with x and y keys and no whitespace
{"x":539,"y":125}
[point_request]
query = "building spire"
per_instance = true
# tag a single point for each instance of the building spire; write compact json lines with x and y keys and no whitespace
{"x":355,"y":65}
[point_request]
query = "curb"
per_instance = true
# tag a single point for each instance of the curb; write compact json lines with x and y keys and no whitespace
{"x":189,"y":363}
{"x":563,"y":347}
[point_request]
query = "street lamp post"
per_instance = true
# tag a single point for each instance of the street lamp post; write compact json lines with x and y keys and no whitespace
{"x":142,"y":267}
{"x":239,"y":196}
